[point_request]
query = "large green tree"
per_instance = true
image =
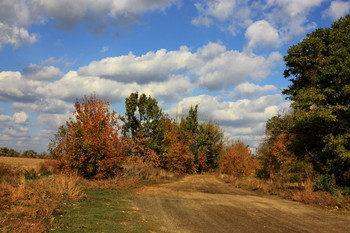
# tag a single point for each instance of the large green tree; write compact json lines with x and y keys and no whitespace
{"x":142,"y":121}
{"x":319,"y":70}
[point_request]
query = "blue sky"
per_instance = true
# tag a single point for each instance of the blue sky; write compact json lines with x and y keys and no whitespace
{"x":225,"y":55}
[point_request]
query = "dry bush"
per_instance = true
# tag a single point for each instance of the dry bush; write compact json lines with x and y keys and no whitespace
{"x":301,"y":192}
{"x":137,"y":168}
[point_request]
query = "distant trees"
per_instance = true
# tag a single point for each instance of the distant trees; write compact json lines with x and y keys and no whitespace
{"x":6,"y":152}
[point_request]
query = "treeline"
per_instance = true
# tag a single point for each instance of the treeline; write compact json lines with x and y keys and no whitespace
{"x":8,"y":152}
{"x":96,"y":142}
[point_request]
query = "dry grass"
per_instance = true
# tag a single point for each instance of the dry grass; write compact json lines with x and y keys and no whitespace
{"x":26,"y":164}
{"x":302,"y":192}
{"x":28,"y":205}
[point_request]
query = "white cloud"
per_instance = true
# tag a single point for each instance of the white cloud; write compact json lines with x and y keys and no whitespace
{"x":232,"y":67}
{"x":337,"y":9}
{"x":152,"y":66}
{"x":261,"y":33}
{"x":42,"y":73}
{"x":14,"y":87}
{"x":249,"y":90}
{"x":243,"y":119}
{"x":15,"y":36}
{"x":16,"y":16}
{"x":52,"y":106}
{"x":20,"y":117}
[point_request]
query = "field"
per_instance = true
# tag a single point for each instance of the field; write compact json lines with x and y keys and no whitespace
{"x":26,"y":164}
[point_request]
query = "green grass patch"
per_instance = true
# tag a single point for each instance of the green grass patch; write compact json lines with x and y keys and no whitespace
{"x":102,"y":210}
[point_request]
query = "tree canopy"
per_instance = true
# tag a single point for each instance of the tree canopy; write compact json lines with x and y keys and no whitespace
{"x":319,"y":71}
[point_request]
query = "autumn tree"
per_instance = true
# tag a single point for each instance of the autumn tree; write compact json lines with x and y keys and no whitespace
{"x":319,"y":71}
{"x":238,"y":160}
{"x":89,"y":142}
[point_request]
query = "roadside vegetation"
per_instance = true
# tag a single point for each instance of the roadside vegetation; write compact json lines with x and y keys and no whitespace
{"x":100,"y":155}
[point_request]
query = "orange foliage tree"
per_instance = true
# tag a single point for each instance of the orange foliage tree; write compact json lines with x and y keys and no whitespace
{"x":89,"y":143}
{"x":238,"y":160}
{"x":177,"y":155}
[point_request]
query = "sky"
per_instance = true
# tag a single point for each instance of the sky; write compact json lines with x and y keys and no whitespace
{"x":224,"y":55}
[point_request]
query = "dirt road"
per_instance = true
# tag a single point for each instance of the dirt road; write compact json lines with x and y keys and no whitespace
{"x":205,"y":204}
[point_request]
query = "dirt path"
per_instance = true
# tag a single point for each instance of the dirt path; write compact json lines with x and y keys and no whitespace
{"x":205,"y":204}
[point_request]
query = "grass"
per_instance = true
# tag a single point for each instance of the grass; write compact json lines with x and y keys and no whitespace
{"x":103,"y":210}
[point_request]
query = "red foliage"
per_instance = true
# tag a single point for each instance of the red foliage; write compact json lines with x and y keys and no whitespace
{"x":178,"y":156}
{"x":90,"y":143}
{"x":238,"y":160}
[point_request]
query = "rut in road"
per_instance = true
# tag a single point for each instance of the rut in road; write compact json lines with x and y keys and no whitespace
{"x":205,"y":204}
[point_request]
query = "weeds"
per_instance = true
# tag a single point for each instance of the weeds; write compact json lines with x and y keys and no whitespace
{"x":304,"y":192}
{"x":27,"y":202}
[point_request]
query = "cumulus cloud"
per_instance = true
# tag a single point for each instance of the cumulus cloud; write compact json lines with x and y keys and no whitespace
{"x":250,"y":90}
{"x":15,"y":36}
{"x":261,"y":33}
{"x":232,"y":68}
{"x":337,"y":9}
{"x":14,"y":87}
{"x":266,"y":22}
{"x":151,"y":66}
{"x":242,"y":119}
{"x":16,"y":16}
{"x":213,"y":65}
{"x":20,"y":117}
{"x":37,"y":72}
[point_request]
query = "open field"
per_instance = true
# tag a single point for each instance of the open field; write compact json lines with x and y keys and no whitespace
{"x":27,"y":164}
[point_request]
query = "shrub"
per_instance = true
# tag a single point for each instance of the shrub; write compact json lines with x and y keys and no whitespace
{"x":238,"y":160}
{"x":89,"y":143}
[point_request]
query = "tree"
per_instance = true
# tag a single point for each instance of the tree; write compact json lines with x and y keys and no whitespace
{"x":6,"y":152}
{"x":319,"y":71}
{"x":89,"y":143}
{"x":205,"y":140}
{"x":30,"y":154}
{"x":238,"y":160}
{"x":142,"y":119}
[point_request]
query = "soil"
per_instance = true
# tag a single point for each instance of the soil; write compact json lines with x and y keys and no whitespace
{"x":203,"y":203}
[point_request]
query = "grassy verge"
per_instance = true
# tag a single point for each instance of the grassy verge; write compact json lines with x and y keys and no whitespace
{"x":107,"y":206}
{"x":102,"y":210}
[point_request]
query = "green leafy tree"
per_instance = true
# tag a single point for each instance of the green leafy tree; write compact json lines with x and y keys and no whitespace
{"x":30,"y":154}
{"x":319,"y":71}
{"x":205,"y":140}
{"x":6,"y":152}
{"x":143,"y":119}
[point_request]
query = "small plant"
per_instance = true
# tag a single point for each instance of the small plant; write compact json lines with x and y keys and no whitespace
{"x":326,"y":183}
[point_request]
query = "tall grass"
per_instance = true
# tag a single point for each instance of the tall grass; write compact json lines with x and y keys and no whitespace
{"x":27,"y":205}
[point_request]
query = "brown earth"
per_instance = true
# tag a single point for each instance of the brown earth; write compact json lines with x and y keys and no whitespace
{"x":206,"y":204}
{"x":27,"y":164}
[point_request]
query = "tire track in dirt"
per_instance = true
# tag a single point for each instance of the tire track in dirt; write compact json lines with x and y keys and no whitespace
{"x":205,"y":204}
